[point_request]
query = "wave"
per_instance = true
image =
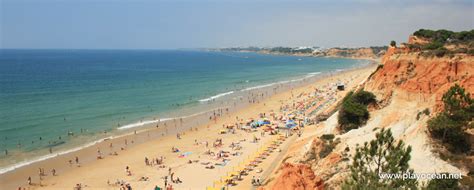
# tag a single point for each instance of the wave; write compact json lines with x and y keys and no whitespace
{"x":216,"y":96}
{"x":260,"y":86}
{"x":143,"y":123}
{"x":282,"y":82}
{"x":313,"y":73}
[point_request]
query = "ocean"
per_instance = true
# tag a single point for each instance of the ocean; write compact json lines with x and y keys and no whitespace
{"x":60,"y":99}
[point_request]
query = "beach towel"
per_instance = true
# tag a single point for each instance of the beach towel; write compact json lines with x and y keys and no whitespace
{"x":184,"y":154}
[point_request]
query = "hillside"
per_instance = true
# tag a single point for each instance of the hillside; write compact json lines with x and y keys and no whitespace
{"x":374,"y":52}
{"x":364,"y":53}
{"x":408,"y":85}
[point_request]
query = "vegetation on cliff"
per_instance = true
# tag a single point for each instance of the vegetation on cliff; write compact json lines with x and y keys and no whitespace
{"x":443,"y":36}
{"x":381,"y":156}
{"x":353,"y":112}
{"x":451,"y":124}
{"x":438,"y":40}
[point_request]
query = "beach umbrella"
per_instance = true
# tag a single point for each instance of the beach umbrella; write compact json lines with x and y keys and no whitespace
{"x":290,"y":124}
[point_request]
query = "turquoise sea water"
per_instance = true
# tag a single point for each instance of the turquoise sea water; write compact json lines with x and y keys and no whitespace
{"x":44,"y":94}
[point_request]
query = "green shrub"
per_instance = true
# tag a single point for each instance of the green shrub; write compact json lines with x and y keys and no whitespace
{"x":470,"y":52}
{"x":353,"y":112}
{"x":433,"y":45}
{"x":440,"y":52}
{"x":450,"y":125}
{"x":461,"y":50}
{"x":364,"y":97}
{"x":327,"y":137}
{"x":328,"y":146}
{"x":418,"y":116}
{"x":327,"y":149}
{"x":451,"y":184}
{"x":426,"y":111}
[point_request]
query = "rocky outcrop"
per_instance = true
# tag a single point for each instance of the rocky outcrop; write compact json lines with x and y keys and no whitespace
{"x":412,"y":39}
{"x":296,"y":177}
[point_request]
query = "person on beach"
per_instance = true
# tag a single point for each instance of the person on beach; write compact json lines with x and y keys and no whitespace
{"x":53,"y":172}
{"x":127,"y":171}
{"x":166,"y":181}
{"x":29,"y":180}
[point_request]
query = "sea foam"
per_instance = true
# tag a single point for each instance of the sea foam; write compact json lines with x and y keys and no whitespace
{"x":216,"y":96}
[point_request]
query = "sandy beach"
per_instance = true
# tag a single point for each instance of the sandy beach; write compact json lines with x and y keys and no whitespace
{"x":207,"y":156}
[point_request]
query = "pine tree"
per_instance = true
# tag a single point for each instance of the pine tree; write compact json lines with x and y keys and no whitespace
{"x":393,"y":43}
{"x":450,"y":125}
{"x":381,"y":156}
{"x":451,"y":184}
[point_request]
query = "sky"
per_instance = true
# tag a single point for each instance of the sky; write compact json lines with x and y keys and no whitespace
{"x":171,"y":24}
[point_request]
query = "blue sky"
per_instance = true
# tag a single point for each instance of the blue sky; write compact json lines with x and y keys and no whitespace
{"x":167,"y":24}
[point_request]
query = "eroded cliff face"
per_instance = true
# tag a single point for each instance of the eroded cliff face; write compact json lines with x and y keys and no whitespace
{"x":414,"y":74}
{"x":296,"y":177}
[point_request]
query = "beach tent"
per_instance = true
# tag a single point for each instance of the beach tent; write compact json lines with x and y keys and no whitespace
{"x":266,"y":121}
{"x":290,"y":124}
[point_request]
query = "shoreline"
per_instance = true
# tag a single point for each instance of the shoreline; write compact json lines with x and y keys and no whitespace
{"x":22,"y":151}
{"x":135,"y":141}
